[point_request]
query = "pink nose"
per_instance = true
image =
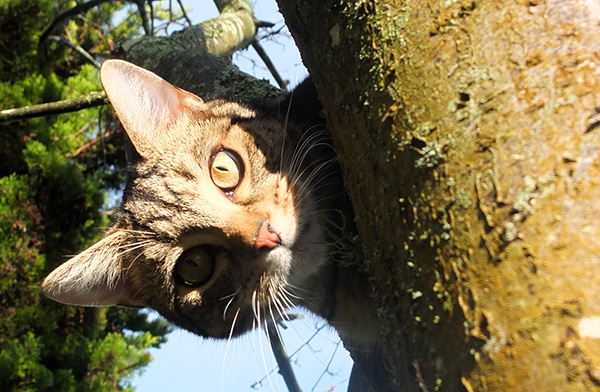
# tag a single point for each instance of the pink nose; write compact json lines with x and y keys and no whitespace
{"x":265,"y":237}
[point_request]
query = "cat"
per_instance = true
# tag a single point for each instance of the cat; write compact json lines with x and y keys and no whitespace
{"x":232,"y":214}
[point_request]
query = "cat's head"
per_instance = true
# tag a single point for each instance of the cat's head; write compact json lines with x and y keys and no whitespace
{"x":217,"y":216}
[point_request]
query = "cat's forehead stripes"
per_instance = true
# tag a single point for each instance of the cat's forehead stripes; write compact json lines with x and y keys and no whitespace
{"x":234,"y":111}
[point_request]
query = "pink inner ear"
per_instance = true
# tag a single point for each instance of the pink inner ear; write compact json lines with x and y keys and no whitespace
{"x":157,"y":98}
{"x":145,"y":103}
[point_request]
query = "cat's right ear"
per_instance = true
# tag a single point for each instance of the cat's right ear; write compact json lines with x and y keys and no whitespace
{"x":145,"y":103}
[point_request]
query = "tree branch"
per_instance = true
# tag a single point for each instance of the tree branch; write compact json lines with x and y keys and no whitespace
{"x":265,"y":58}
{"x":88,"y":146}
{"x":189,"y":21}
{"x":78,"y":9}
{"x":46,"y":109}
{"x":283,"y":360}
{"x":79,"y":49}
{"x":232,"y":30}
{"x":141,"y":4}
{"x":151,"y":16}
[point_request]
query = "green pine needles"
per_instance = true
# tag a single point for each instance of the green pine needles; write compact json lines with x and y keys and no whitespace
{"x":54,"y":172}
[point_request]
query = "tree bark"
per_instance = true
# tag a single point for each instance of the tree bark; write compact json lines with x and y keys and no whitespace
{"x":469,"y":133}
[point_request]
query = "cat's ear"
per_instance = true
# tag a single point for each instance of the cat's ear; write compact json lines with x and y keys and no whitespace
{"x":145,"y":103}
{"x":92,"y":278}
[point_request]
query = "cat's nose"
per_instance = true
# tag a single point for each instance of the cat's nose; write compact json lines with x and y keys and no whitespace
{"x":265,"y":238}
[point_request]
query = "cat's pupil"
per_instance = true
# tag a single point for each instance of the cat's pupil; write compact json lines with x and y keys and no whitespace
{"x":195,"y":266}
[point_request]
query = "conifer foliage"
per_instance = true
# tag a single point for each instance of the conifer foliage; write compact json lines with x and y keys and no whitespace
{"x":54,"y":173}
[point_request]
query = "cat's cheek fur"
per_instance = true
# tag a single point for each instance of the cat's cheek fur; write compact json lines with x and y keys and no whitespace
{"x":305,"y":250}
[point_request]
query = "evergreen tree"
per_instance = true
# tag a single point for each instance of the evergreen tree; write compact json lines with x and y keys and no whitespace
{"x":54,"y":173}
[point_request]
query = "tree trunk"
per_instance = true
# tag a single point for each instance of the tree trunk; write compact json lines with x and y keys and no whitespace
{"x":469,"y":133}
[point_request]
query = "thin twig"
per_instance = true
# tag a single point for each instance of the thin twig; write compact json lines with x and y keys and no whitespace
{"x":86,"y":147}
{"x":79,"y":49}
{"x":45,"y":109}
{"x":184,"y":13}
{"x":283,"y":361}
{"x":78,"y":9}
{"x":263,"y":24}
{"x":327,"y":370}
{"x":419,"y":375}
{"x":265,"y":58}
{"x":305,"y":344}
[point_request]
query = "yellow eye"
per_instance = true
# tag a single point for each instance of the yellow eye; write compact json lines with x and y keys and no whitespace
{"x":226,"y":170}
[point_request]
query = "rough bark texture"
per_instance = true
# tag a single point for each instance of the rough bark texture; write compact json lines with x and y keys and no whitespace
{"x":469,"y":132}
{"x":206,"y":75}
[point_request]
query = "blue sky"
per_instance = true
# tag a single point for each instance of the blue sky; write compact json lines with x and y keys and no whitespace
{"x":189,"y":363}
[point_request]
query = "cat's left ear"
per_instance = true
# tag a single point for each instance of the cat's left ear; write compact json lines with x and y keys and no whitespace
{"x":94,"y":277}
{"x":145,"y":103}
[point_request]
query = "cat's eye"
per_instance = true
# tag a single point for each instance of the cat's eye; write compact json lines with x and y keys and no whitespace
{"x":226,"y":170}
{"x":195,"y":266}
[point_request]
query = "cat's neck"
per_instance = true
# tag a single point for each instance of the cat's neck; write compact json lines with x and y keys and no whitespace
{"x":339,"y":290}
{"x":341,"y":295}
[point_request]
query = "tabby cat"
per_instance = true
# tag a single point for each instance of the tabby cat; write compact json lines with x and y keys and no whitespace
{"x":231,"y":215}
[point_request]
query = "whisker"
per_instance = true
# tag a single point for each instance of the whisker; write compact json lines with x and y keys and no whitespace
{"x":285,"y":130}
{"x":133,"y":262}
{"x":254,"y":306}
{"x":138,"y":232}
{"x":134,"y":244}
{"x":284,"y":293}
{"x":235,"y":317}
{"x":278,"y":305}
{"x":133,"y":247}
{"x":262,"y":351}
{"x":303,"y":149}
{"x":229,"y":303}
{"x":300,"y":200}
{"x":314,"y":172}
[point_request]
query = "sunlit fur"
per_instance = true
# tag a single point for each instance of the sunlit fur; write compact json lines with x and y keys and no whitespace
{"x":170,"y":204}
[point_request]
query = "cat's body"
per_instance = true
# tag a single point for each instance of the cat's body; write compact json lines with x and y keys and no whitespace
{"x":231,"y":215}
